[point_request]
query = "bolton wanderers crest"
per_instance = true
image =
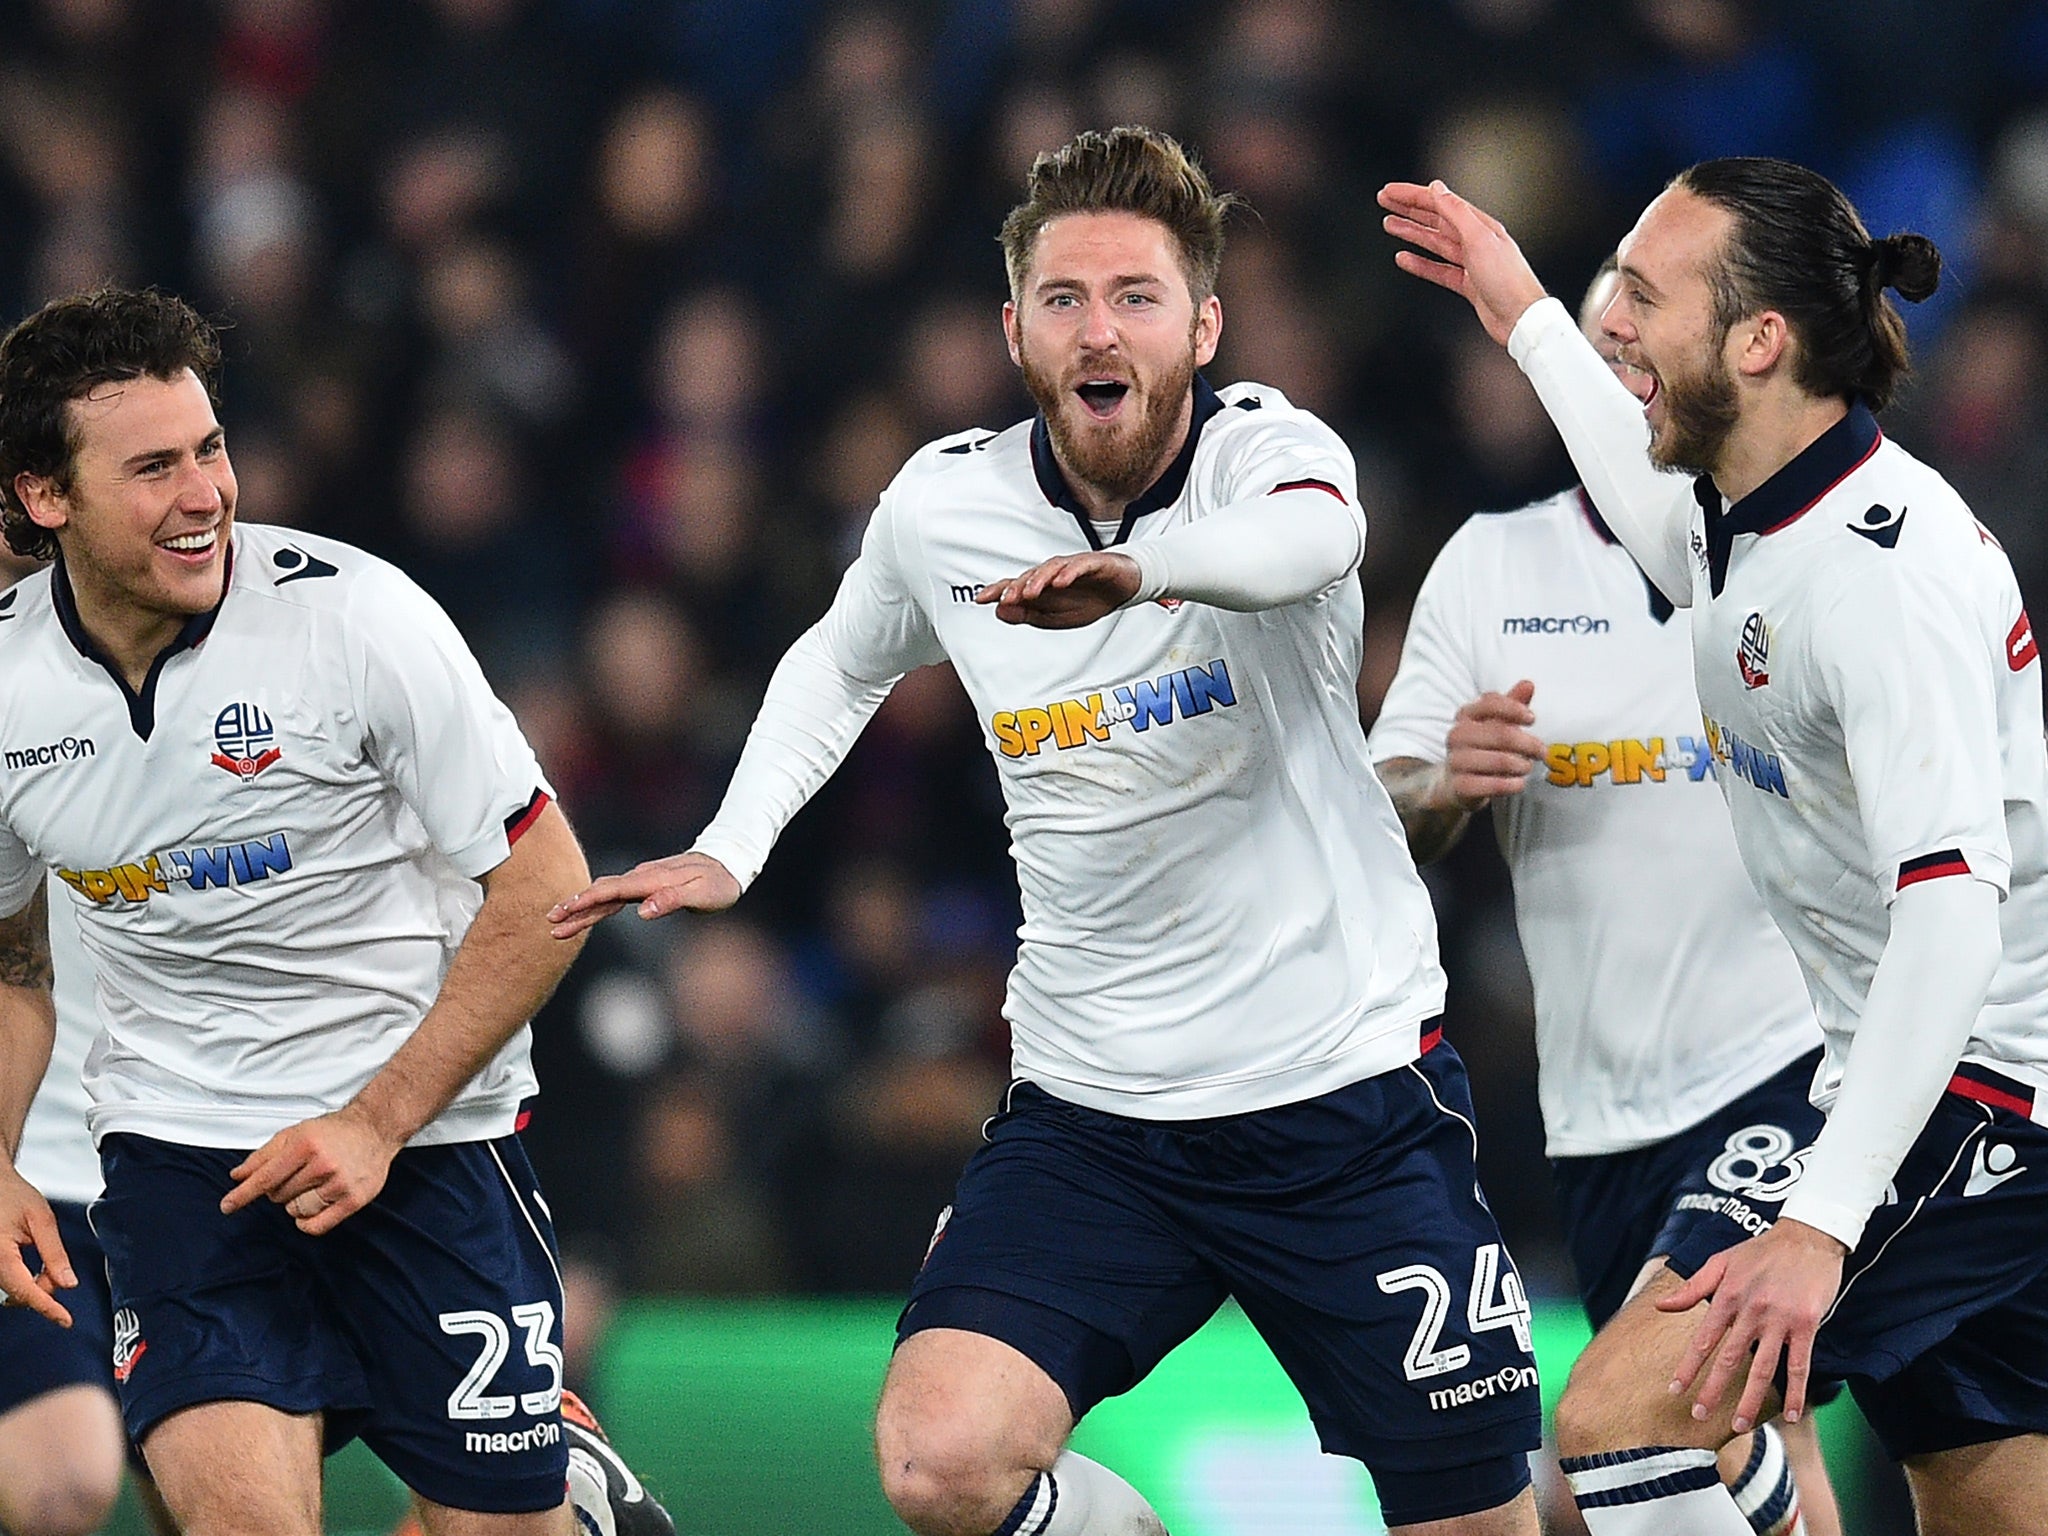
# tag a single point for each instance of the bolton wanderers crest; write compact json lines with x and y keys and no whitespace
{"x":1753,"y":655}
{"x":245,"y":742}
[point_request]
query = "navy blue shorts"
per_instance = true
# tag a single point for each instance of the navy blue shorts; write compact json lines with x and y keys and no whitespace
{"x":429,"y":1323}
{"x":1941,"y":1326}
{"x":36,"y":1356}
{"x":1349,"y":1227}
{"x":1716,"y":1183}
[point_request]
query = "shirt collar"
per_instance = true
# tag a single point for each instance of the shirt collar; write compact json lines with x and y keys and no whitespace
{"x":1163,"y":492}
{"x":191,"y":634}
{"x":1790,"y":493}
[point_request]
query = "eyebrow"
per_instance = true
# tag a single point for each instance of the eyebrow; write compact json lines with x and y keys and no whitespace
{"x":1123,"y":280}
{"x":218,"y":434}
{"x":1634,"y":274}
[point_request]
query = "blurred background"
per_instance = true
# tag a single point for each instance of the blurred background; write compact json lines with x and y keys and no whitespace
{"x":609,"y":319}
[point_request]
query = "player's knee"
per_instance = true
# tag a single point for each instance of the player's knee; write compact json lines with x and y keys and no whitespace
{"x":1615,"y":1400}
{"x":69,"y":1500}
{"x":941,"y":1476}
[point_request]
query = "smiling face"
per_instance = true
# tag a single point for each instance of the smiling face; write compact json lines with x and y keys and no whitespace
{"x":1109,"y":338}
{"x":144,"y":522}
{"x":1661,"y":320}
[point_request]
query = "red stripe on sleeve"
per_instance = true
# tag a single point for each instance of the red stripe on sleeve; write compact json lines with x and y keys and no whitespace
{"x":1933,"y":867}
{"x":1308,"y":485}
{"x":518,"y":826}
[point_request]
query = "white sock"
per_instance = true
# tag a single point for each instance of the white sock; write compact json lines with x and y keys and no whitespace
{"x":1079,"y":1497}
{"x":1654,"y":1490}
{"x":1765,"y":1492}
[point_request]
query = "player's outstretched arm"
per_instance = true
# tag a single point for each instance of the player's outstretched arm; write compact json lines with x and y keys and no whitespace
{"x":1488,"y":751}
{"x":28,"y":1025}
{"x":324,"y":1170}
{"x":682,"y":882}
{"x":1066,"y":591}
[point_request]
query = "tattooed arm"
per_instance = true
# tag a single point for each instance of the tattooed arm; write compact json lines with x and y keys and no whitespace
{"x":28,"y":1019}
{"x":28,"y":1026}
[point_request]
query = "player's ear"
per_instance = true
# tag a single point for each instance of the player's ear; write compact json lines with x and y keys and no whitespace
{"x":42,"y":500}
{"x":1761,"y":342}
{"x":1208,"y":329}
{"x":1010,"y":331}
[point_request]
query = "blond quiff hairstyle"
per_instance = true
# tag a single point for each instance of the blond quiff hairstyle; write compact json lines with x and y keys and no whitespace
{"x":1126,"y":170}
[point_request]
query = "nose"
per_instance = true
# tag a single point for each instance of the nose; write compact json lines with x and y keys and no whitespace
{"x":1098,"y":326}
{"x":199,"y":490}
{"x":1615,"y":320}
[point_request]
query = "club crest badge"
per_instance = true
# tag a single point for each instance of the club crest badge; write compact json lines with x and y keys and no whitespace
{"x":128,"y":1343}
{"x":244,"y":741}
{"x":1753,"y":654}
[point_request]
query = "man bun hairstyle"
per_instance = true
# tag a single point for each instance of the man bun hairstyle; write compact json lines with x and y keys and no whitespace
{"x":1126,"y":170}
{"x":1798,"y":247}
{"x":63,"y":352}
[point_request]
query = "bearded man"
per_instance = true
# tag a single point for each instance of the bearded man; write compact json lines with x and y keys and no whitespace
{"x":1229,"y":1081}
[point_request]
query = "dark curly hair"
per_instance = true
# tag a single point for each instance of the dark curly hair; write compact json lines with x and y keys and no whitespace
{"x":63,"y":352}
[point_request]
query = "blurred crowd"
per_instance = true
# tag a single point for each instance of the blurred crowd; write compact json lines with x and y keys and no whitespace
{"x":609,"y":320}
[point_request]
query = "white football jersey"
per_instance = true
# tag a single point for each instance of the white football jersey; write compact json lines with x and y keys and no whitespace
{"x":1662,"y":988}
{"x":1872,"y":693}
{"x":1871,"y":690}
{"x":1220,"y":913}
{"x":57,"y":1155}
{"x":273,"y":848}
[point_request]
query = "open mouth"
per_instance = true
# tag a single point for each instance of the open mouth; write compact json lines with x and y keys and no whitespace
{"x":1102,"y":398}
{"x":194,"y":547}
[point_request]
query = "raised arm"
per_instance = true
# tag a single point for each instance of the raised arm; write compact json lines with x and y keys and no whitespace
{"x":1471,"y":253}
{"x":28,"y":1025}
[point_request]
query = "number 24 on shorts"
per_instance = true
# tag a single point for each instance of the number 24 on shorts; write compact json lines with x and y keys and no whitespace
{"x":1484,"y":1311}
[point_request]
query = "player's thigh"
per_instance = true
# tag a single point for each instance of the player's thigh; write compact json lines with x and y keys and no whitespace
{"x":61,"y":1455}
{"x":449,"y":1289}
{"x":439,"y":1520}
{"x":1617,"y":1396}
{"x":234,"y":1468}
{"x":1365,"y":1256}
{"x":1517,"y":1517}
{"x":61,"y":1440}
{"x":1998,"y":1486}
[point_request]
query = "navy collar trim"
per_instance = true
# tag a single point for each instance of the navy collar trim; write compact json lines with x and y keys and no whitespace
{"x":190,"y":636}
{"x":1789,"y":494}
{"x":1661,"y":607}
{"x":1163,"y":492}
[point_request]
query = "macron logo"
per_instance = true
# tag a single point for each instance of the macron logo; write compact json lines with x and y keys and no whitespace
{"x":1576,"y":624}
{"x":69,"y":750}
{"x":1991,"y":1167}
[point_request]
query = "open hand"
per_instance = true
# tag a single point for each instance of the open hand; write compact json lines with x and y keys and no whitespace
{"x":1065,"y":592}
{"x":683,"y":882}
{"x":322,"y":1171}
{"x":1475,"y":257}
{"x":1769,"y":1295}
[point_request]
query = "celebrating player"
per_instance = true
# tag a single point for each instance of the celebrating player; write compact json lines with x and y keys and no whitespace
{"x":1675,"y":1044}
{"x":309,"y":853}
{"x":1872,"y":698}
{"x":1228,"y":1078}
